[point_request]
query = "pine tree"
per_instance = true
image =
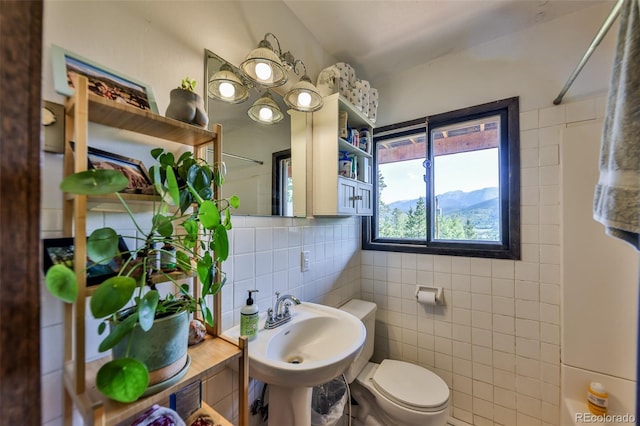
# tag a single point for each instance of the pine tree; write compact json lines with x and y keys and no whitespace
{"x":451,"y":228}
{"x":469,"y":231}
{"x":385,"y":226}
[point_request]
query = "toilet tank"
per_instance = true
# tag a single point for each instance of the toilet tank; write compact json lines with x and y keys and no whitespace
{"x":366,"y":311}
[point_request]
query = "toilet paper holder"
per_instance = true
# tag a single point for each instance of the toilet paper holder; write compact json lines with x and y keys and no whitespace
{"x":438,"y":292}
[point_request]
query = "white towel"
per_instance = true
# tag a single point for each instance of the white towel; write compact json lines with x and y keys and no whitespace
{"x":617,"y":195}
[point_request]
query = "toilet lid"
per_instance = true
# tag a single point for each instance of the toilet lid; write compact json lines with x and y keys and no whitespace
{"x":410,"y":385}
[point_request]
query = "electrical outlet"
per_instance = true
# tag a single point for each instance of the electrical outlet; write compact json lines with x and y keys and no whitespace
{"x":305,"y":260}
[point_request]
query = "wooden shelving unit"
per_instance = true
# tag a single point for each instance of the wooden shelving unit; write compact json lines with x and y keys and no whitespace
{"x":208,"y":357}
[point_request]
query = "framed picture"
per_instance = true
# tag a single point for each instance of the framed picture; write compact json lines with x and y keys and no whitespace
{"x":134,"y":170}
{"x":103,"y":81}
{"x":52,"y":120}
{"x":61,"y":251}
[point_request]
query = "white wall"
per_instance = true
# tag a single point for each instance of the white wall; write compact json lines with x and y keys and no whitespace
{"x":533,"y":64}
{"x":497,"y":341}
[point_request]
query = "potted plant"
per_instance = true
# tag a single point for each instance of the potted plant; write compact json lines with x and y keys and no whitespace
{"x":128,"y":304}
{"x":186,"y":105}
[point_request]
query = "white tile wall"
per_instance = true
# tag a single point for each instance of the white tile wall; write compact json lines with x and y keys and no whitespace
{"x":497,"y":342}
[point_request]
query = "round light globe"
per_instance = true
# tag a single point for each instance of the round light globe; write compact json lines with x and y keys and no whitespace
{"x":304,"y":99}
{"x":263,"y":71}
{"x":227,"y":90}
{"x":266,"y":114}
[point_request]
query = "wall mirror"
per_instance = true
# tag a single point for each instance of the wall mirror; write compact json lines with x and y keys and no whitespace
{"x":257,"y":156}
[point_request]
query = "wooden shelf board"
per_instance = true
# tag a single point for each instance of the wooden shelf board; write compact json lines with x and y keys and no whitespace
{"x":156,"y":278}
{"x":209,"y":412}
{"x":127,"y":117}
{"x":207,"y":358}
{"x":129,"y":198}
{"x":160,"y":277}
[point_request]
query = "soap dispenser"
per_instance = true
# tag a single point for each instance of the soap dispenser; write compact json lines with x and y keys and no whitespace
{"x":249,"y":318}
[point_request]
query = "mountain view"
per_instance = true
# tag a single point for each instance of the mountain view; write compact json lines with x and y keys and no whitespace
{"x":460,"y":216}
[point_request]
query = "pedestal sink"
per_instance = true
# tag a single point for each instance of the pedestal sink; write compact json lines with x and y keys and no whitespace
{"x":316,"y":346}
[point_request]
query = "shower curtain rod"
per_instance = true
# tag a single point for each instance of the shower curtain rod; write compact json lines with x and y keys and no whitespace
{"x":596,"y":41}
{"x":251,"y":160}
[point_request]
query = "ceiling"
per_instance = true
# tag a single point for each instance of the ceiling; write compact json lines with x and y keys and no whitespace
{"x":391,"y":34}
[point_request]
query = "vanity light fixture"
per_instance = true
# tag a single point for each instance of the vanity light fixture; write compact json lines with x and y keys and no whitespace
{"x":303,"y":96}
{"x":265,"y":110}
{"x":226,"y":86}
{"x":265,"y":66}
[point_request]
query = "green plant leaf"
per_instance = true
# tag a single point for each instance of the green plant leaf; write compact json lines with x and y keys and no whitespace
{"x":191,"y":226}
{"x":186,"y":199}
{"x":157,"y":180}
{"x":94,"y":182}
{"x":112,"y":295}
{"x":206,"y":312}
{"x":206,"y":192}
{"x":119,"y":332}
{"x":123,"y":379}
{"x":218,"y":286}
{"x":227,"y":220}
{"x":234,"y":201}
{"x":185,"y":155}
{"x":204,"y":268}
{"x":185,"y":290}
{"x":62,"y":283}
{"x":221,"y":243}
{"x":102,"y":245}
{"x":183,"y":261}
{"x":219,"y":176}
{"x":147,"y":309}
{"x":163,"y":225}
{"x":200,"y":176}
{"x":209,"y":215}
{"x":102,"y":327}
{"x":172,"y":185}
{"x":204,"y":274}
{"x":193,"y":174}
{"x":185,"y":164}
{"x":206,"y":286}
{"x":155,"y":152}
{"x":167,"y":160}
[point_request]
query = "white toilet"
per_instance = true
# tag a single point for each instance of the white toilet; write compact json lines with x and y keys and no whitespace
{"x":393,"y":392}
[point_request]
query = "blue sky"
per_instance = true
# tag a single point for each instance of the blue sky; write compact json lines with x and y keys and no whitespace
{"x":466,"y":172}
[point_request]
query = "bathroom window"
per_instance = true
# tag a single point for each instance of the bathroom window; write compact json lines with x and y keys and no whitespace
{"x":449,"y":184}
{"x":281,"y":184}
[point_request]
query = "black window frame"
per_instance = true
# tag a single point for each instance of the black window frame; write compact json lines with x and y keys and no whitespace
{"x":277,"y":195}
{"x":509,"y":185}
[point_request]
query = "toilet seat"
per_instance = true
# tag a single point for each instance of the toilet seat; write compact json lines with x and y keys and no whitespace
{"x":411,"y":386}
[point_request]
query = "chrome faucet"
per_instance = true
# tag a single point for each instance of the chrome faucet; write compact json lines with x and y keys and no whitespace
{"x":280,"y":313}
